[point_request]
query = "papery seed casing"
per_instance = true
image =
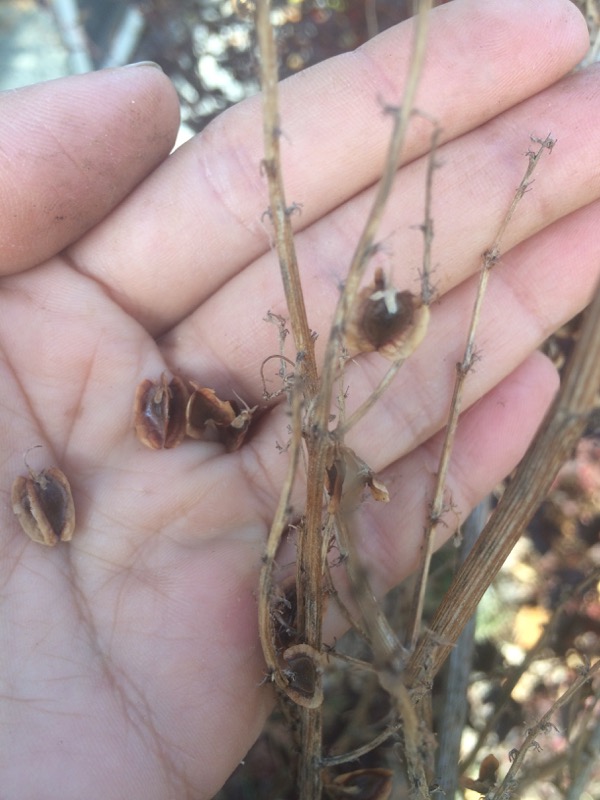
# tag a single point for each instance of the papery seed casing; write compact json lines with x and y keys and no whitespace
{"x":159,"y":412}
{"x":44,"y":506}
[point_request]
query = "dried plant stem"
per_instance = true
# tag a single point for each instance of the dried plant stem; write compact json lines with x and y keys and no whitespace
{"x":490,"y":258}
{"x":506,"y":789}
{"x":319,"y":446}
{"x":280,"y":213}
{"x":309,"y":566}
{"x":558,"y":435}
{"x":427,"y":289}
{"x":313,"y":534}
{"x":354,"y":755}
{"x":278,"y":527}
{"x":387,"y":652}
{"x":347,"y":424}
{"x":382,"y":638}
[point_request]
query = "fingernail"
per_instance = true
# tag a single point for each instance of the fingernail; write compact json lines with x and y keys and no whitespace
{"x":145,"y":64}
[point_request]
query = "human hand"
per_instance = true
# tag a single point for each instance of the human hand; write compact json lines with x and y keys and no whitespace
{"x":131,"y":665}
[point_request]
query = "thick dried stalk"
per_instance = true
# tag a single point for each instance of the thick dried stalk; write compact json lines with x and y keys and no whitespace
{"x":309,"y":569}
{"x":558,"y":435}
{"x":490,"y":258}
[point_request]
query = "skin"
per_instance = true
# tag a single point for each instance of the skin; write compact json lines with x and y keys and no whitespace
{"x":130,"y":662}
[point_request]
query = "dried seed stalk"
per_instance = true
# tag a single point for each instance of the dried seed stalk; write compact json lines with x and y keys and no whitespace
{"x":506,"y":789}
{"x":313,"y":534}
{"x":490,"y":258}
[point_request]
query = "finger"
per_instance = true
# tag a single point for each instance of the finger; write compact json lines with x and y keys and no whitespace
{"x":198,"y":220}
{"x":71,"y":150}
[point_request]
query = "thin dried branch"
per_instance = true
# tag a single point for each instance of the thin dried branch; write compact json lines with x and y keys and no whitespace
{"x":490,"y":258}
{"x":359,"y":752}
{"x":585,"y":760}
{"x":427,"y":289}
{"x":506,"y":789}
{"x":278,"y":527}
{"x":278,"y":209}
{"x":514,"y":675}
{"x":558,"y":435}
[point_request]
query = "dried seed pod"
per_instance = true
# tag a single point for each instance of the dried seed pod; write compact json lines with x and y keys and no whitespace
{"x":205,"y":408}
{"x":486,"y":780}
{"x":302,"y":670}
{"x":334,"y":482}
{"x":378,"y":489}
{"x":366,"y":784}
{"x":392,"y":323}
{"x":356,"y":475}
{"x":44,"y":506}
{"x":159,"y":412}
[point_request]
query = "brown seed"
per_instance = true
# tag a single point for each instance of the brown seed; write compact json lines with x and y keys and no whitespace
{"x":303,"y":670}
{"x":159,"y":412}
{"x":392,"y":323}
{"x":44,"y":506}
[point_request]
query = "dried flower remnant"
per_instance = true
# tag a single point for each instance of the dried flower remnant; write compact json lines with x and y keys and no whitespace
{"x":44,"y":506}
{"x":159,"y":412}
{"x":385,"y":320}
{"x":486,"y":780}
{"x":350,"y":475}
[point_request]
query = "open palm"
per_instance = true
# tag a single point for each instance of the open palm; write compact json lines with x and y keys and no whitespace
{"x":130,"y":661}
